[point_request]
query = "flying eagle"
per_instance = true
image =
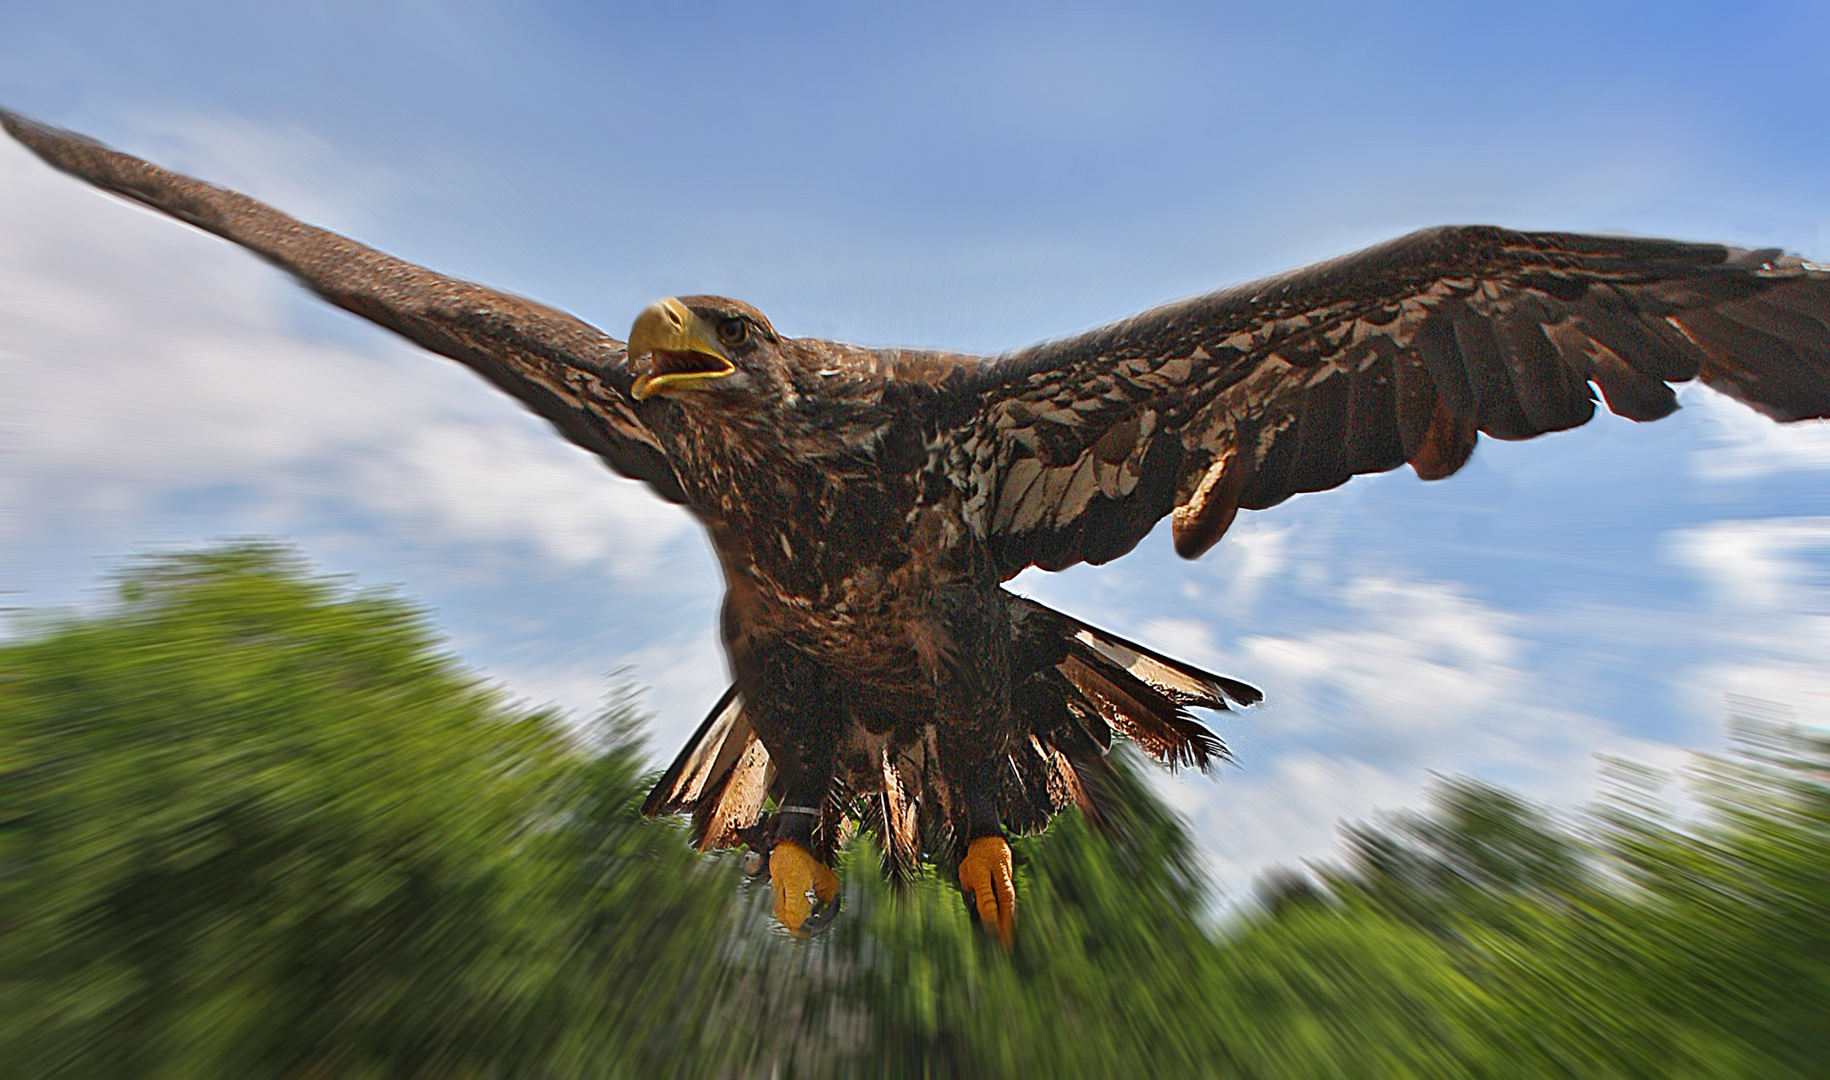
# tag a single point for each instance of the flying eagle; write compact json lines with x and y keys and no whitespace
{"x":867,"y":504}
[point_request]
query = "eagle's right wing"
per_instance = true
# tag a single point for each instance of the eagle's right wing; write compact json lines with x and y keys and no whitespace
{"x":562,"y":368}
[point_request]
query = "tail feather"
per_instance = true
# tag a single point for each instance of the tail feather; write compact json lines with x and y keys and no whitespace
{"x":1185,"y":683}
{"x":1073,"y":688}
{"x":722,"y":777}
{"x":893,"y":815}
{"x":719,"y":820}
{"x":704,"y":756}
{"x":1135,"y":709}
{"x":1125,"y":688}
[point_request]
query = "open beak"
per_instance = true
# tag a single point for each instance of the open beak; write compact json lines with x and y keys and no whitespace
{"x":683,"y":352}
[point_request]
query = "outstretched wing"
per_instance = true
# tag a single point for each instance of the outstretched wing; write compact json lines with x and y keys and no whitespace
{"x":560,"y":367}
{"x":1072,"y":450}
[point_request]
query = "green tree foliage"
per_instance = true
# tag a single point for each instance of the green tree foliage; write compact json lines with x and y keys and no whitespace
{"x":254,"y":823}
{"x":261,"y":826}
{"x":1651,"y":947}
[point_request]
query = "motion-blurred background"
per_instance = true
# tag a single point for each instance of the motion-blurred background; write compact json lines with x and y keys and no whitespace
{"x":969,"y":178}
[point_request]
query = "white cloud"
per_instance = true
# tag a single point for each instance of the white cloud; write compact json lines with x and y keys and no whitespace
{"x":1771,"y":579}
{"x":1284,"y":813}
{"x":145,"y":360}
{"x":1412,"y":679}
{"x":1756,"y":566}
{"x":1746,"y":444}
{"x":1416,"y":679}
{"x":503,"y":482}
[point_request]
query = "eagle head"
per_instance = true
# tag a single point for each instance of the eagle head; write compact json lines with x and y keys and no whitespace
{"x":703,"y":342}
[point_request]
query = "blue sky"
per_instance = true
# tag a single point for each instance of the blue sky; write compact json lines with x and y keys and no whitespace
{"x":968,"y":178}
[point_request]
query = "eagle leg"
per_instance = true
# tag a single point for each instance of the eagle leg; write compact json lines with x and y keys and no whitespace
{"x":985,"y":876}
{"x":805,"y":890}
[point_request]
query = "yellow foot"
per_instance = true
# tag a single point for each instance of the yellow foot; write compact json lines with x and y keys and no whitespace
{"x":793,"y":873}
{"x":985,"y":875}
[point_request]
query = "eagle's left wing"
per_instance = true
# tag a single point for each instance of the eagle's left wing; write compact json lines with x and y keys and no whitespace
{"x":1072,"y":450}
{"x":562,"y":368}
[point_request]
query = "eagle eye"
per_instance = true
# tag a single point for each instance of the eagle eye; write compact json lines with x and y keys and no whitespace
{"x":733,"y":331}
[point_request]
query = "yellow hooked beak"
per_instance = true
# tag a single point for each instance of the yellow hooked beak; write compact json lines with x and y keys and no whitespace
{"x":683,"y":351}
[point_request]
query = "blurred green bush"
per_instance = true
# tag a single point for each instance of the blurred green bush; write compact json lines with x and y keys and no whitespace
{"x":254,"y":823}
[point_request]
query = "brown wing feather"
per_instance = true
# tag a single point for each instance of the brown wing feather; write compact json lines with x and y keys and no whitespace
{"x":1401,"y":353}
{"x":706,"y":759}
{"x":722,"y":777}
{"x":1078,"y":688}
{"x":562,"y":368}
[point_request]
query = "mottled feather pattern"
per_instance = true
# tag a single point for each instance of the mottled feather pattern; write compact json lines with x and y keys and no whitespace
{"x":1402,"y":353}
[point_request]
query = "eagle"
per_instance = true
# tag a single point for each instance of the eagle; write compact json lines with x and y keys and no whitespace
{"x":867,"y":505}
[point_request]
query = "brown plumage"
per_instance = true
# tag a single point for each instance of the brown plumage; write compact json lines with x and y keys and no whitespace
{"x":867,"y":504}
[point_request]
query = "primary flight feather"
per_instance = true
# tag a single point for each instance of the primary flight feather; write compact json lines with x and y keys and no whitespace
{"x":867,"y":504}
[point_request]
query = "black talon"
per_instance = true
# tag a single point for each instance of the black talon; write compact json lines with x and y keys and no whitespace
{"x":822,"y":916}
